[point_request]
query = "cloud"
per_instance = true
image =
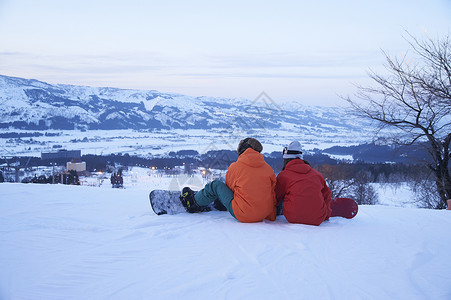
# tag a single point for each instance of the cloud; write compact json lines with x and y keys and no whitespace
{"x":12,"y":53}
{"x":293,"y":60}
{"x":272,"y":75}
{"x":313,"y":76}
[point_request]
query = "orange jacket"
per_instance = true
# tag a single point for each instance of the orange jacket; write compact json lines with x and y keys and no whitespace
{"x":253,"y":183}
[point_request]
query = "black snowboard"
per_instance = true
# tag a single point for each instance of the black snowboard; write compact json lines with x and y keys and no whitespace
{"x":168,"y":202}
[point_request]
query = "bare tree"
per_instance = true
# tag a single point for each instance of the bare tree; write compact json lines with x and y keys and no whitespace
{"x":362,"y":191}
{"x":414,"y":97}
{"x":338,"y":179}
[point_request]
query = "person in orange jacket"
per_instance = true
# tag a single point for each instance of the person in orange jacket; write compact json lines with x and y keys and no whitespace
{"x":302,"y":190}
{"x":249,"y":191}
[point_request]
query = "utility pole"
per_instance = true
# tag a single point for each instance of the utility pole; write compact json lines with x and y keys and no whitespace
{"x":53,"y":172}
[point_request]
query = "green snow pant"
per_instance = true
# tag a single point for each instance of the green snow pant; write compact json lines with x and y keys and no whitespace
{"x":215,"y":190}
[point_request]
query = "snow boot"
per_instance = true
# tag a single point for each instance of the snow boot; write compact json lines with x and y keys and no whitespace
{"x":188,"y":201}
{"x":344,"y":207}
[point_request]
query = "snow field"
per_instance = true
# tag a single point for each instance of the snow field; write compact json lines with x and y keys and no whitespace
{"x":161,"y":142}
{"x":74,"y":242}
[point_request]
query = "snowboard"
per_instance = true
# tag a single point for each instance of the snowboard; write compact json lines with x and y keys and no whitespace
{"x":168,"y":202}
{"x":344,"y":207}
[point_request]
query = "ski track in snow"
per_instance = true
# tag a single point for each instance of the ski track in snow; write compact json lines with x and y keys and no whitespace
{"x":68,"y":242}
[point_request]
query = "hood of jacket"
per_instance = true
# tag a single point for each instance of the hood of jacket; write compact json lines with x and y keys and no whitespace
{"x":298,"y":166}
{"x":251,"y":158}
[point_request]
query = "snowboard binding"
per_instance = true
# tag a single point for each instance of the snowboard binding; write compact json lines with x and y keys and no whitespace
{"x":188,"y":201}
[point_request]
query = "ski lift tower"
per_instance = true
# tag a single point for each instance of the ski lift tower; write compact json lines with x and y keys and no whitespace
{"x":14,"y":165}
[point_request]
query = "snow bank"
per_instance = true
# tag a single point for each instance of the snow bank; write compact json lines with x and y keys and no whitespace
{"x":69,"y":242}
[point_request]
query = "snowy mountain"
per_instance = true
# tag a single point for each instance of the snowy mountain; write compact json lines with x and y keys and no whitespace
{"x":36,"y":105}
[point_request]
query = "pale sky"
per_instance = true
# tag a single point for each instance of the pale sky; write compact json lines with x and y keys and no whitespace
{"x":309,"y":51}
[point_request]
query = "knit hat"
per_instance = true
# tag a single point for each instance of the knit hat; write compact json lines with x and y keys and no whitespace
{"x":293,"y":151}
{"x":249,"y":143}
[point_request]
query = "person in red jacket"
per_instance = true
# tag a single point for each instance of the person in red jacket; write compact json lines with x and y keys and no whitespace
{"x":302,"y":190}
{"x":303,"y":194}
{"x":249,"y":191}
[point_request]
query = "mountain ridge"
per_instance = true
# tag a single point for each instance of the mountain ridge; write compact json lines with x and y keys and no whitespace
{"x":36,"y":105}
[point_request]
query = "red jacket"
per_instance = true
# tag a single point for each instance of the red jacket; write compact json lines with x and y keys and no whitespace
{"x":253,"y":183}
{"x":304,"y":192}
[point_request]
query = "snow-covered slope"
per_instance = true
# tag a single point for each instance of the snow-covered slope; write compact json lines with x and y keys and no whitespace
{"x":68,"y":242}
{"x":36,"y":105}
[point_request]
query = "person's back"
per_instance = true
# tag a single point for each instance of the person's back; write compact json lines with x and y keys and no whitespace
{"x":249,"y":191}
{"x":252,"y":181}
{"x":304,"y":192}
